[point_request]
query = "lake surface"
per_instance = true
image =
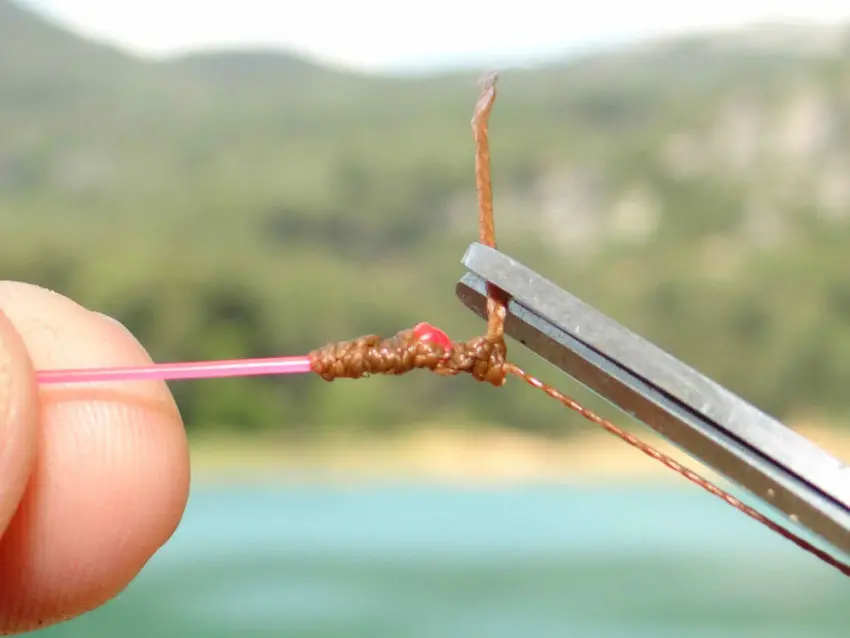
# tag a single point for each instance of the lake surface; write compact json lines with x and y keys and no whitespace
{"x":408,"y":561}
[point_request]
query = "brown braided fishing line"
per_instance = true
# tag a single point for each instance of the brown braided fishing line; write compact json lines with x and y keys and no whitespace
{"x":482,"y":357}
{"x":485,"y":357}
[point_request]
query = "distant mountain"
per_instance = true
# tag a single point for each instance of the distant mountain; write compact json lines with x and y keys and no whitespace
{"x":699,"y":186}
{"x":250,"y":66}
{"x":38,"y":55}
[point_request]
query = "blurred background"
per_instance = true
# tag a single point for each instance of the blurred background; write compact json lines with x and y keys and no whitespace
{"x":249,"y":180}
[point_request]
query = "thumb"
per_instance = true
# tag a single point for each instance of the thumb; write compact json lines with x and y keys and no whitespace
{"x":18,"y":419}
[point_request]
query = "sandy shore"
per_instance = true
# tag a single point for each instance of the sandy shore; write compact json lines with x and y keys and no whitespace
{"x":460,"y":456}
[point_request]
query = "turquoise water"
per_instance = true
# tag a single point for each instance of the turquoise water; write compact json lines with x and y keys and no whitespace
{"x":406,"y":561}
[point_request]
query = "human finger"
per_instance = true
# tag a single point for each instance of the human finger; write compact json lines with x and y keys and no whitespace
{"x":110,"y":478}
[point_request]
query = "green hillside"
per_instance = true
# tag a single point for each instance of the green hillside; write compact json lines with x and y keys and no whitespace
{"x":255,"y":203}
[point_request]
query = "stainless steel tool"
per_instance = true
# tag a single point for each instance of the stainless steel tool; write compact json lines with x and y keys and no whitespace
{"x":707,"y":421}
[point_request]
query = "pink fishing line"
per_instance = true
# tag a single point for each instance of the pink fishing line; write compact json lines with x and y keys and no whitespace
{"x":183,"y":370}
{"x":212,"y":369}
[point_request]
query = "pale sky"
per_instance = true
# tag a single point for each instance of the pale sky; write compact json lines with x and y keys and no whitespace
{"x":392,"y":34}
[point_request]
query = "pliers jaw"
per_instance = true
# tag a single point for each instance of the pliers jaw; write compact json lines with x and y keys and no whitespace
{"x":752,"y":449}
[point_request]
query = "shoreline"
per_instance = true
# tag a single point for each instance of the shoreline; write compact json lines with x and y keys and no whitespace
{"x":457,"y":456}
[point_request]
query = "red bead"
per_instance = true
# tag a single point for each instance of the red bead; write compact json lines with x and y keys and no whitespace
{"x":426,"y":332}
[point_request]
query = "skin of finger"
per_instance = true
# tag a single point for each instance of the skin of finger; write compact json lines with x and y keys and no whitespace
{"x":110,"y":478}
{"x":18,"y":419}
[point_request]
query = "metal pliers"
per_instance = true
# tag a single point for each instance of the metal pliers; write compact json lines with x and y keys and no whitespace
{"x":751,"y":449}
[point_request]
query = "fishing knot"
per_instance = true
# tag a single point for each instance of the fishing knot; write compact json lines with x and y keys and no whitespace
{"x":422,"y":347}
